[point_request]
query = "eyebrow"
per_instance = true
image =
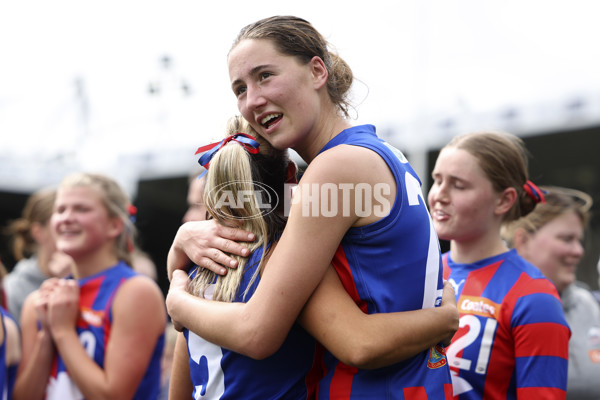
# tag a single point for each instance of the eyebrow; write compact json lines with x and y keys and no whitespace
{"x":253,"y":71}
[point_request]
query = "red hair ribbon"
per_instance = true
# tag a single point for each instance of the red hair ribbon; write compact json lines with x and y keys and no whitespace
{"x":534,"y":192}
{"x":247,"y":141}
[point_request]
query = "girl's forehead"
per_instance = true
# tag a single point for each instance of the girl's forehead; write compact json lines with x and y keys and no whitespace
{"x":250,"y":54}
{"x":456,"y":158}
{"x":88,"y":193}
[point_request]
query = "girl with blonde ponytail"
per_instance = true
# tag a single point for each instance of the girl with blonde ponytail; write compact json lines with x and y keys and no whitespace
{"x":236,"y":169}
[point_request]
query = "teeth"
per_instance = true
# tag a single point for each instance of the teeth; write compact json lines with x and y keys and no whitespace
{"x":268,"y":117}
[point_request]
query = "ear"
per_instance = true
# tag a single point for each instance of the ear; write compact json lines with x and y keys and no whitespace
{"x":520,"y":239}
{"x":115,"y":227}
{"x":292,"y":173}
{"x":506,"y":200}
{"x":319,"y":72}
{"x":37,"y":232}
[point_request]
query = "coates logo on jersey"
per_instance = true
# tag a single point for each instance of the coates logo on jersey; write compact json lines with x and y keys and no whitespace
{"x":478,"y":306}
{"x":92,"y":317}
{"x":437,"y":357}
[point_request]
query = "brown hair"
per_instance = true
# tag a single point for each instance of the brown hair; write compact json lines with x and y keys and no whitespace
{"x":38,"y":209}
{"x":504,"y":159}
{"x":559,"y":201}
{"x":296,"y":37}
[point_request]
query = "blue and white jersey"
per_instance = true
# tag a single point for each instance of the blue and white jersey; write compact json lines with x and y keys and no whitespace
{"x":218,"y":373}
{"x":391,"y":265}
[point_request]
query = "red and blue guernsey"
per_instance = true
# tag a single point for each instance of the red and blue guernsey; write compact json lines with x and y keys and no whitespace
{"x":513,"y":339}
{"x":218,"y":373}
{"x":391,"y":265}
{"x":96,"y":294}
{"x":8,"y":374}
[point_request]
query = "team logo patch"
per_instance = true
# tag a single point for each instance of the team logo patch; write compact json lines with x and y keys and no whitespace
{"x":437,"y":357}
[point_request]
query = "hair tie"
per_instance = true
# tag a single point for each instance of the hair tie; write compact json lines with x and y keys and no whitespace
{"x":534,"y":192}
{"x":247,"y":141}
{"x":132,"y":211}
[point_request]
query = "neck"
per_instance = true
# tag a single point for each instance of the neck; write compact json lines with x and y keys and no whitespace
{"x":470,"y":251}
{"x":93,"y":263}
{"x":326,"y":129}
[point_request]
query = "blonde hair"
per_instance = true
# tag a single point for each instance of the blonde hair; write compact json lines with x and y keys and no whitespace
{"x":38,"y":209}
{"x":559,"y":201}
{"x":116,"y":202}
{"x":234,"y":167}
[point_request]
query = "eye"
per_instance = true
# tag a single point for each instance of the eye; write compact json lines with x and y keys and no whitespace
{"x":264,"y":75}
{"x":239,"y":90}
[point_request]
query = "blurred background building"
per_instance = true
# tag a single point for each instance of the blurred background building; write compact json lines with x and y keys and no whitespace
{"x":132,"y":88}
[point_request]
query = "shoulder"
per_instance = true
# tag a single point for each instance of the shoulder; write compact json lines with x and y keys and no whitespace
{"x":521,"y":267}
{"x":139,"y":299}
{"x":139,"y":288}
{"x":345,"y":163}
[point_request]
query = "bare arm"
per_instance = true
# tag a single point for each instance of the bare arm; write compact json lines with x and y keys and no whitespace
{"x":303,"y":254}
{"x":180,"y":385}
{"x":38,"y":349}
{"x":374,"y":340}
{"x":138,"y":320}
{"x":204,"y":243}
{"x":257,"y":328}
{"x":13,"y":342}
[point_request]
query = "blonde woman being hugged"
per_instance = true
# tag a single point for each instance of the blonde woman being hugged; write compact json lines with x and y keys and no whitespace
{"x":99,"y":335}
{"x":242,"y":165}
{"x":513,"y":339}
{"x":357,"y":191}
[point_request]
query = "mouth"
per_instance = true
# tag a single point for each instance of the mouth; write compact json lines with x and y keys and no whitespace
{"x":270,"y":119}
{"x":439,"y":215}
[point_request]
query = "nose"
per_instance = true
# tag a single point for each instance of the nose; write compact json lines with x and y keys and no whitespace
{"x":254,"y":98}
{"x":437,"y":193}
{"x":63,"y":215}
{"x":578,"y":249}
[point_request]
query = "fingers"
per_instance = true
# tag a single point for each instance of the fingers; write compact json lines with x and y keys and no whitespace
{"x":232,"y":234}
{"x":205,"y":243}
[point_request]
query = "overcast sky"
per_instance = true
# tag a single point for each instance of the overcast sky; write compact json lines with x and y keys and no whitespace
{"x":74,"y":74}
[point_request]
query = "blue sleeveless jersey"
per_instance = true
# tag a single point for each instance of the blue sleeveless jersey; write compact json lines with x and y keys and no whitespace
{"x":8,"y":374}
{"x":218,"y":373}
{"x":513,"y":340}
{"x":96,"y":294}
{"x":391,"y":265}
